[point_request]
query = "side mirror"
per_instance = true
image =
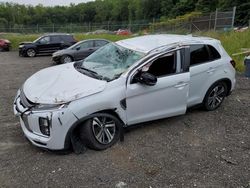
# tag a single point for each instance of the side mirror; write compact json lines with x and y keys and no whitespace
{"x":78,"y":48}
{"x":146,"y":78}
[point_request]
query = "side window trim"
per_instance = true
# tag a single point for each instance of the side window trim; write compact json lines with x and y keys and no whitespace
{"x":196,"y":64}
{"x":136,"y":70}
{"x":211,"y":53}
{"x":96,"y":41}
{"x":185,"y":59}
{"x":210,"y":56}
{"x":43,"y":38}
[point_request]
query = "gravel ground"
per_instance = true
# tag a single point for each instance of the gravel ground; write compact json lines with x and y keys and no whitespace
{"x":199,"y":149}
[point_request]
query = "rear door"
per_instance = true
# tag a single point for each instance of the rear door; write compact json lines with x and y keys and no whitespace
{"x":204,"y":62}
{"x":55,"y":43}
{"x":167,"y":98}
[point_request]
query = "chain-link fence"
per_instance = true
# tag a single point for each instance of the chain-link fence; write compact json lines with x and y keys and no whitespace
{"x":108,"y":27}
{"x":212,"y":21}
{"x":218,"y":20}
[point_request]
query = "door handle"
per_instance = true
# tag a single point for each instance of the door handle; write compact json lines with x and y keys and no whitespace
{"x":210,"y":70}
{"x":180,"y":84}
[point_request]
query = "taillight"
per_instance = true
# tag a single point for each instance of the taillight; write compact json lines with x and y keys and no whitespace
{"x":233,"y":63}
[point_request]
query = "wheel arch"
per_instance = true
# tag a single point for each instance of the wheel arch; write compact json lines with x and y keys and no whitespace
{"x":79,"y":122}
{"x":31,"y":47}
{"x":227,"y":81}
{"x":65,"y":55}
{"x":70,"y":55}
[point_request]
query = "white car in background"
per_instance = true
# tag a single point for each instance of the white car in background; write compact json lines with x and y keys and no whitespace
{"x":121,"y":84}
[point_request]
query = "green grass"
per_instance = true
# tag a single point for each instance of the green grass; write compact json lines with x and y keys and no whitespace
{"x":232,"y":41}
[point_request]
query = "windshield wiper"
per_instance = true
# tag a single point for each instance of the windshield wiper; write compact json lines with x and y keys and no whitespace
{"x":90,"y":72}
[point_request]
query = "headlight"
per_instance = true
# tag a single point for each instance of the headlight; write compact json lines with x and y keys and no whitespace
{"x":49,"y":106}
{"x":44,"y":125}
{"x":56,"y":54}
{"x":21,"y":46}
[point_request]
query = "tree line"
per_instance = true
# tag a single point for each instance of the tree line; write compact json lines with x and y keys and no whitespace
{"x":115,"y":10}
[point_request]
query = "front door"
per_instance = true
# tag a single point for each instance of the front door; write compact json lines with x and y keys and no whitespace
{"x":44,"y":45}
{"x":167,"y":98}
{"x":84,"y":50}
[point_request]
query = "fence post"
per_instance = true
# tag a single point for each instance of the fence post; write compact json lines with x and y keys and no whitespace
{"x":153,"y":29}
{"x":210,"y":19}
{"x":233,"y":18}
{"x":215,"y":19}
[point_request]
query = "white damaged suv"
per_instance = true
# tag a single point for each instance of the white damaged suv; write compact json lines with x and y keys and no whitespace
{"x":121,"y":84}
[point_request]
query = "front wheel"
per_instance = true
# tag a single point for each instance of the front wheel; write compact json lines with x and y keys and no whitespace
{"x":101,"y":131}
{"x":31,"y":52}
{"x":66,"y":59}
{"x":215,"y":96}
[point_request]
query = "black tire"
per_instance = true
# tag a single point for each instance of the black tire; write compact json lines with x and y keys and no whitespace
{"x":66,"y":59}
{"x":31,"y":52}
{"x":215,"y":96}
{"x":89,"y":131}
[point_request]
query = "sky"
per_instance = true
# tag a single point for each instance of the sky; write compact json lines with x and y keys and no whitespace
{"x":46,"y":2}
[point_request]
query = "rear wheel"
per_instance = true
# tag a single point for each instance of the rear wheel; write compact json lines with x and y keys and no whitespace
{"x":66,"y":59}
{"x":31,"y":52}
{"x":101,"y":131}
{"x":215,"y":96}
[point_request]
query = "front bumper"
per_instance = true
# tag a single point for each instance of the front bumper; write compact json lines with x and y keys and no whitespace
{"x":56,"y":59}
{"x":6,"y":46}
{"x":22,"y":52}
{"x":61,"y":121}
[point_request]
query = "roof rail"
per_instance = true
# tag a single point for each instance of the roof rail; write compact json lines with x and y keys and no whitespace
{"x":167,"y":47}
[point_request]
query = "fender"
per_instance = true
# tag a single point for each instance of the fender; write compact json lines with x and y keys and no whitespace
{"x":68,"y":143}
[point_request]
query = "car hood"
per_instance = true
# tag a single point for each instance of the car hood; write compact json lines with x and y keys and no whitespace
{"x":5,"y":40}
{"x":60,"y":84}
{"x":22,"y":43}
{"x":61,"y":52}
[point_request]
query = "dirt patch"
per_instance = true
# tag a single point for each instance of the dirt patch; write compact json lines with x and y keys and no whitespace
{"x":199,"y":149}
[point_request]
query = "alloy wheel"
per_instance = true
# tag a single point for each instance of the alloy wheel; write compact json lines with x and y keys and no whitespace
{"x":104,"y":129}
{"x":31,"y":52}
{"x":67,"y":59}
{"x":216,"y":96}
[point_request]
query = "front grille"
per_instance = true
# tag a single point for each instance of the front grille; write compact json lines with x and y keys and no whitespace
{"x":24,"y":101}
{"x":26,"y":123}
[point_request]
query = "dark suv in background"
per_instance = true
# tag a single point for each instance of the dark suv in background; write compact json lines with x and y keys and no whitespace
{"x":78,"y":51}
{"x":46,"y":44}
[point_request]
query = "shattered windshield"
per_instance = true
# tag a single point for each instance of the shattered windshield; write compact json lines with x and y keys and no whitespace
{"x":110,"y":61}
